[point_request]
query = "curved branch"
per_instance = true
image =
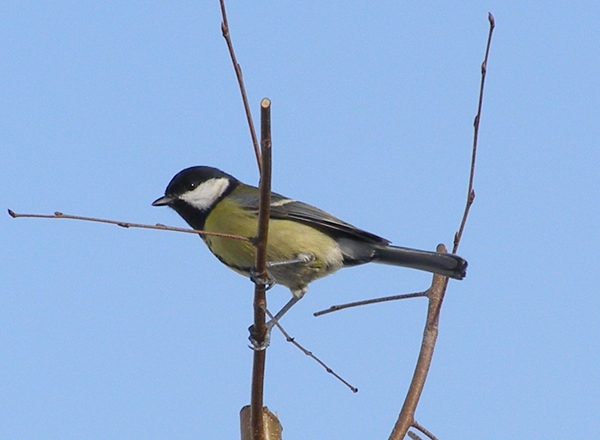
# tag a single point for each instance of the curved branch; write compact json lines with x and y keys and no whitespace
{"x":240,"y":80}
{"x":407,"y":414}
{"x":436,"y":293}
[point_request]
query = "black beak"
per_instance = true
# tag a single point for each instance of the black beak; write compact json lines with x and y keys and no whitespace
{"x":163,"y":201}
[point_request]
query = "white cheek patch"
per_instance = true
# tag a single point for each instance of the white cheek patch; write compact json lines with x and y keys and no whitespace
{"x":206,"y":194}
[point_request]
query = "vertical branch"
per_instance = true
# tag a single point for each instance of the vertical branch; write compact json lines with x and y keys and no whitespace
{"x":406,"y":418}
{"x":263,"y":159}
{"x":436,"y":292}
{"x":470,"y":190}
{"x":240,"y":80}
{"x":260,"y":265}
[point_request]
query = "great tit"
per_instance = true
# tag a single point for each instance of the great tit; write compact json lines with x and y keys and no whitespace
{"x":304,"y":242}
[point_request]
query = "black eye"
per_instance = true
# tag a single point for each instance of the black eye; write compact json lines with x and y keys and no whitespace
{"x":191,"y":186}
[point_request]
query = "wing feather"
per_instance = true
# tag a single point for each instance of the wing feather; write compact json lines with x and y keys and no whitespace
{"x":284,"y":208}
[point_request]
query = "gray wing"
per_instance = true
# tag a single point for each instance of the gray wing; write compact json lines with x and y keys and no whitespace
{"x":284,"y":208}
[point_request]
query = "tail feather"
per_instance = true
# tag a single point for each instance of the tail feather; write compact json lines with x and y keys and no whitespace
{"x":449,"y":265}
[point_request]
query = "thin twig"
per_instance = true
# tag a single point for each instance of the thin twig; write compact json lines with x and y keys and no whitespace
{"x":311,"y":355}
{"x":127,"y":224}
{"x":365,"y":302}
{"x":470,"y":190}
{"x":413,"y":436}
{"x":260,"y":265}
{"x":240,"y":80}
{"x":424,"y":430}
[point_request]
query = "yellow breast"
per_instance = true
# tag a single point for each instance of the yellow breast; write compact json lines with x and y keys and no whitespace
{"x":287,"y":239}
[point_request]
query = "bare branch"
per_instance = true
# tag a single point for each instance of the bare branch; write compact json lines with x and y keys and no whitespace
{"x":436,"y":296}
{"x":240,"y":80}
{"x":128,"y":224}
{"x":311,"y":355}
{"x":413,"y":436}
{"x":436,"y":293}
{"x":424,"y":431}
{"x":470,"y":190}
{"x":260,"y":266}
{"x":365,"y":302}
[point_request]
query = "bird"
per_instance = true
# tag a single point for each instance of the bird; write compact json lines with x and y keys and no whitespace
{"x":304,"y":243}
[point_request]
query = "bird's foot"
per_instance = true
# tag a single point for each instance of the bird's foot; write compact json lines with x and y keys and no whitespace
{"x":264,"y":279}
{"x":266,"y":341}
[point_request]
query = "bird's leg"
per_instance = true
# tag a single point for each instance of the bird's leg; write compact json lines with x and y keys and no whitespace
{"x":272,"y":322}
{"x":296,"y":296}
{"x":275,"y":319}
{"x":299,"y":259}
{"x":270,"y":280}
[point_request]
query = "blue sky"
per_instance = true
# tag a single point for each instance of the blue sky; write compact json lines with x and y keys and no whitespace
{"x":114,"y":333}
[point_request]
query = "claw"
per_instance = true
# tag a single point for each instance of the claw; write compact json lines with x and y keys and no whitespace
{"x":264,"y":279}
{"x":255,"y":345}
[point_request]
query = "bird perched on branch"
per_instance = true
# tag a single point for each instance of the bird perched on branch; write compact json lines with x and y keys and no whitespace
{"x":304,"y":242}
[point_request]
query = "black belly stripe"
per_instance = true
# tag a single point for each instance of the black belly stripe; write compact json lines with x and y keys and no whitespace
{"x":231,"y":266}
